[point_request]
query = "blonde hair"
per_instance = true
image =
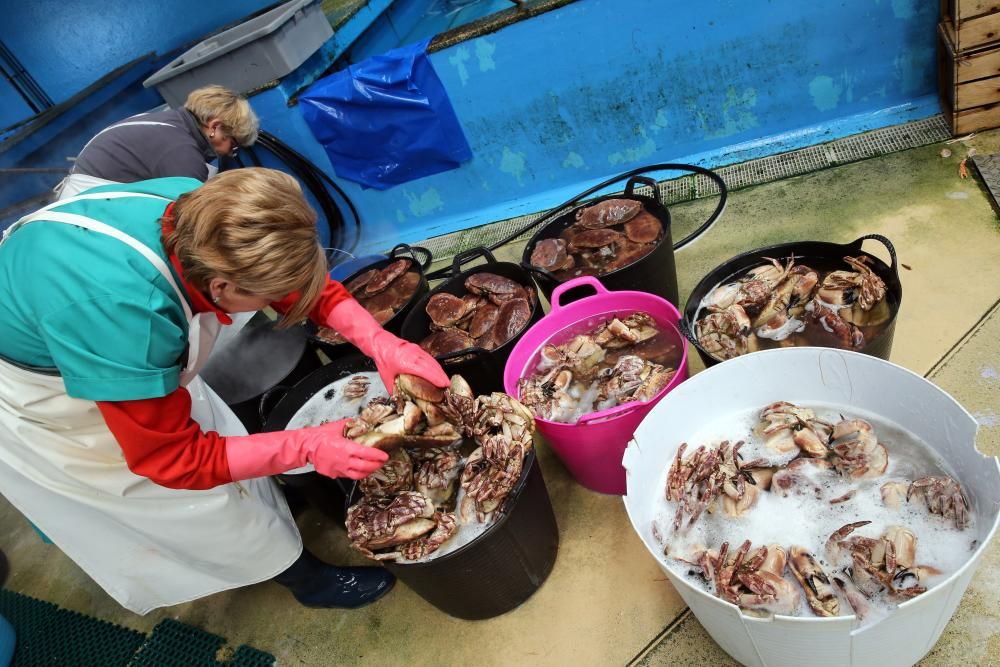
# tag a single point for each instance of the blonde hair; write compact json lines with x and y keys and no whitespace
{"x":238,"y":119}
{"x":251,"y":227}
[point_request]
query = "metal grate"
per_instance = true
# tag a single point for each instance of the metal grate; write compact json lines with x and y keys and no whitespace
{"x":746,"y":174}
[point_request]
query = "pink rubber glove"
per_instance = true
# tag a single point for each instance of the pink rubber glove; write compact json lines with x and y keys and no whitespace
{"x":333,"y":455}
{"x":392,"y":354}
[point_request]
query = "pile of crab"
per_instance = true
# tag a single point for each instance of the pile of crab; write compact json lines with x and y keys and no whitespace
{"x":614,"y":362}
{"x":606,"y":236}
{"x":432,"y":484}
{"x":382,"y":292}
{"x":494,"y":310}
{"x":791,"y":304}
{"x":838,"y":471}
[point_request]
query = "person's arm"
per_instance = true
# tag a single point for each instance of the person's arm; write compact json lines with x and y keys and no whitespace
{"x":160,"y":441}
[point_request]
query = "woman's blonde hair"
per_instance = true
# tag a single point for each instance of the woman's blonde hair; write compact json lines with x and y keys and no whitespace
{"x":253,"y":228}
{"x":238,"y":119}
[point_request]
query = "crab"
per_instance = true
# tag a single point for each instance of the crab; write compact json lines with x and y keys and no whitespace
{"x":384,"y":278}
{"x":395,"y":476}
{"x":445,"y":526}
{"x":876,"y":565}
{"x":496,"y":288}
{"x":862,"y":285}
{"x":447,"y":341}
{"x":815,"y":583}
{"x":801,"y":476}
{"x":446,"y":310}
{"x":381,"y":522}
{"x":894,"y":493}
{"x":696,"y":482}
{"x":513,"y":316}
{"x":727,"y":333}
{"x":856,"y":451}
{"x":751,"y":291}
{"x":943,"y":496}
{"x":632,"y":378}
{"x":617,"y":333}
{"x":435,"y":474}
{"x":787,"y":428}
{"x":598,"y":240}
{"x":788,"y":298}
{"x":608,"y":213}
{"x":551,"y":255}
{"x":643,"y":228}
{"x":846,"y":332}
{"x":504,"y":429}
{"x":545,"y":394}
{"x":357,"y":387}
{"x":394,"y":296}
{"x":751,"y":580}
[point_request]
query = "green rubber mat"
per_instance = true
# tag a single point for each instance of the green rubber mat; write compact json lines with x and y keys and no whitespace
{"x":49,"y":635}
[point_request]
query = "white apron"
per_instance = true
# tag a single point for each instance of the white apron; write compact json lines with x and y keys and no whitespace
{"x":148,"y":546}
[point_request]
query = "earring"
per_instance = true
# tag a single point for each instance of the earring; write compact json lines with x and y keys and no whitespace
{"x":215,"y":299}
{"x":212,"y":136}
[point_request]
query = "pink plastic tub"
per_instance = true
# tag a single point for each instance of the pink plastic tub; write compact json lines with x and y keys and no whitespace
{"x":593,"y":447}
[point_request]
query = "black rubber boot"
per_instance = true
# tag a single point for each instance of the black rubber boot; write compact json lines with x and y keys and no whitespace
{"x":318,"y":584}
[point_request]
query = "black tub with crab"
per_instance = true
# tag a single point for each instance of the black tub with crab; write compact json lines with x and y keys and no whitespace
{"x":639,"y":256}
{"x":481,"y":363}
{"x":388,"y":289}
{"x":863,"y":277}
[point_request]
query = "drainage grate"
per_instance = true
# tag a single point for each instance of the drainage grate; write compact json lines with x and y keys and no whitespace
{"x":755,"y":172}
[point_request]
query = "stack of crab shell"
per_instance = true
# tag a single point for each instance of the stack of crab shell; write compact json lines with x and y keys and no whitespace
{"x":409,"y":508}
{"x":382,"y":292}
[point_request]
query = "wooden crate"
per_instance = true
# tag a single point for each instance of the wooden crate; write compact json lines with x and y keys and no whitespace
{"x":969,"y":85}
{"x":971,"y":23}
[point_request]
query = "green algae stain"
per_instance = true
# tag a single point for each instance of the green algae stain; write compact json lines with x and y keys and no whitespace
{"x":903,"y":9}
{"x":400,"y":216}
{"x":513,"y":163}
{"x":426,"y":203}
{"x":737,"y":113}
{"x":573,"y":161}
{"x":484,"y":53}
{"x":643,"y":150}
{"x":825,"y":93}
{"x":458,"y":60}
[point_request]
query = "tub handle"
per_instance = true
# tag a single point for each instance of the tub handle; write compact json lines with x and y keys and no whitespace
{"x":402,"y":250}
{"x":269,"y":399}
{"x":645,"y":180}
{"x":610,"y":413}
{"x":570,"y":284}
{"x":475,"y":351}
{"x":469,"y":255}
{"x":884,"y":241}
{"x":685,"y":329}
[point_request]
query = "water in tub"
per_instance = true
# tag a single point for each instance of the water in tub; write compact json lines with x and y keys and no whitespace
{"x":808,"y":519}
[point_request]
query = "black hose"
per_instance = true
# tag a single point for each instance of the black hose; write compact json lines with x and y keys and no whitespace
{"x":704,"y":227}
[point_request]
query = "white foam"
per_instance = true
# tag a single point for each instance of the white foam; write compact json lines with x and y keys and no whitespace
{"x":808,"y":519}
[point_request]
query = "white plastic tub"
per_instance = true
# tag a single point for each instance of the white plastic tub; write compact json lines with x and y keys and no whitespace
{"x":803,"y":376}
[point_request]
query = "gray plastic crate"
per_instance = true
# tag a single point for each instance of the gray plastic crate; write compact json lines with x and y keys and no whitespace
{"x":249,"y":55}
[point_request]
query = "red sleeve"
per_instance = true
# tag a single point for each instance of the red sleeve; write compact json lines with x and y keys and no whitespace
{"x":160,"y":441}
{"x":331,"y":295}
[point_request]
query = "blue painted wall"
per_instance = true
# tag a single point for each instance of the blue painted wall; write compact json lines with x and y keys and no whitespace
{"x":66,"y":45}
{"x":561,"y":101}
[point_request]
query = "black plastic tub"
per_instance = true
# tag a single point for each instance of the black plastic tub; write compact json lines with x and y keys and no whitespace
{"x":482,"y":369}
{"x":655,"y":272}
{"x":804,"y":251}
{"x":279,"y":406}
{"x":421,"y":262}
{"x":501,"y":568}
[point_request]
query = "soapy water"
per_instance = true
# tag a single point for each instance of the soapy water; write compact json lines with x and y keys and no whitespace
{"x":807,"y":518}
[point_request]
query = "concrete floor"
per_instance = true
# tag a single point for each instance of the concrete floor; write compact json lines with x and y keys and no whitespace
{"x":606,"y":601}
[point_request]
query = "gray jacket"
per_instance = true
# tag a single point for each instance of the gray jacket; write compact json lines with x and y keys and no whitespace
{"x":152,"y":145}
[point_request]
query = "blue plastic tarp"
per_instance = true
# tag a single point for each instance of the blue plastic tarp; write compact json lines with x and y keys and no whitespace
{"x":386,"y":120}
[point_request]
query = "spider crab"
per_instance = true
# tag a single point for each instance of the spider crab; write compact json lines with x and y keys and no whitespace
{"x":435,"y":474}
{"x":943,"y":496}
{"x":856,"y":452}
{"x":695,"y":482}
{"x":752,"y":291}
{"x":504,"y":429}
{"x":814,"y":581}
{"x":875,"y":565}
{"x":380,"y":522}
{"x":751,"y":580}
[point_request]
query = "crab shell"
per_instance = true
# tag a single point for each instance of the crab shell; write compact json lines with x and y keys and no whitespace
{"x":608,"y":213}
{"x":384,"y":277}
{"x":549,"y":254}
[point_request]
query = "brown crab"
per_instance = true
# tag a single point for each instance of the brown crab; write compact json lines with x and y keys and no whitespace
{"x":446,"y":310}
{"x":496,"y":288}
{"x":943,"y":496}
{"x":384,"y":278}
{"x":644,"y":228}
{"x":617,"y":333}
{"x":545,"y":394}
{"x":403,"y":422}
{"x":787,"y":428}
{"x":447,"y":341}
{"x":751,"y":581}
{"x":856,"y":451}
{"x":377,"y":523}
{"x":551,"y":255}
{"x":608,"y":213}
{"x":847,"y":333}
